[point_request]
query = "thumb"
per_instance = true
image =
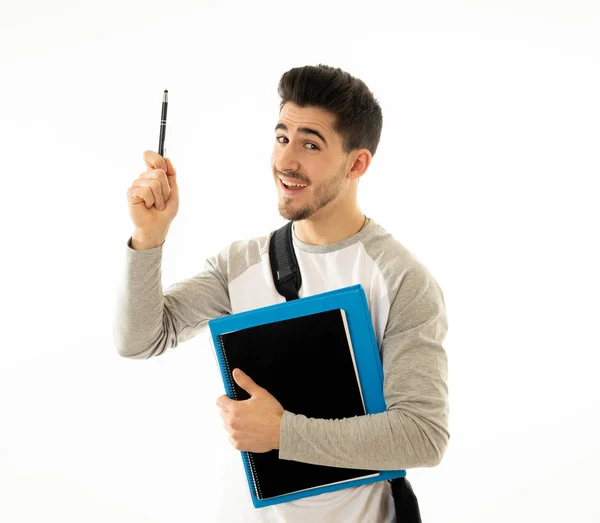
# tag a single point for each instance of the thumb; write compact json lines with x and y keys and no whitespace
{"x":171,"y":174}
{"x":153,"y":160}
{"x":246,"y":382}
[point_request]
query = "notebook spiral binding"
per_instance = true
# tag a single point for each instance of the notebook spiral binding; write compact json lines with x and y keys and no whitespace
{"x":230,"y":390}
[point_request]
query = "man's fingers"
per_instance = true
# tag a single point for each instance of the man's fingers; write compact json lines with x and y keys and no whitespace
{"x":156,"y":188}
{"x":246,"y":382}
{"x":236,"y":444}
{"x":160,"y":176}
{"x":138,"y":194}
{"x":154,"y":161}
{"x":224,"y":403}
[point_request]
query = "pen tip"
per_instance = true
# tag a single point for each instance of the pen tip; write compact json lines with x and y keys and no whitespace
{"x":166,"y":91}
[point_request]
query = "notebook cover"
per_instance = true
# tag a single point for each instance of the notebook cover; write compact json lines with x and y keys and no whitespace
{"x":353,"y":301}
{"x":307,"y":364}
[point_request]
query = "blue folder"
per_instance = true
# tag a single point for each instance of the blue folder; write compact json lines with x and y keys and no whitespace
{"x":368,"y":362}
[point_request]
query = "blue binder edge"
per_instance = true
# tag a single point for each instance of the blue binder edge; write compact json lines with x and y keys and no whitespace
{"x":353,"y":301}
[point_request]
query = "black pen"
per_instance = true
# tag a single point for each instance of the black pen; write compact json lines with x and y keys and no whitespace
{"x":163,"y":124}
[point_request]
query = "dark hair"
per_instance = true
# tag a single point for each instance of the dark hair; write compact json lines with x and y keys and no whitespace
{"x":358,"y":117}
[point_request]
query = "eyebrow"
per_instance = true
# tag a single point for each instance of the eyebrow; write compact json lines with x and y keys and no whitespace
{"x":303,"y":130}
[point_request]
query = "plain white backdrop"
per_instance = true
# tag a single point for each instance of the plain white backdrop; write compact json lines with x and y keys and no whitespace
{"x":487,"y":170}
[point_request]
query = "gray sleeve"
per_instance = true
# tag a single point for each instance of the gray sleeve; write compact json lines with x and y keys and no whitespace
{"x":413,"y":432}
{"x":147,"y":321}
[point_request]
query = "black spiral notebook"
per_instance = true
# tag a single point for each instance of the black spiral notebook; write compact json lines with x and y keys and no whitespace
{"x":307,"y":364}
{"x":319,"y":357}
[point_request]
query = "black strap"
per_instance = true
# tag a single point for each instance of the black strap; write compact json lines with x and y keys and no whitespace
{"x":405,"y":501}
{"x":284,"y":265}
{"x":287,"y":278}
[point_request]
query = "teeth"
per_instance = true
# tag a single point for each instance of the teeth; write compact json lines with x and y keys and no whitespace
{"x":293,"y":184}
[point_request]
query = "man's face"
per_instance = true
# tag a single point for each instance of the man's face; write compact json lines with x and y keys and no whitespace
{"x":307,"y":152}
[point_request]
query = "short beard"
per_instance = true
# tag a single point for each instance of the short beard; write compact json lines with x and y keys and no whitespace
{"x":323,"y":195}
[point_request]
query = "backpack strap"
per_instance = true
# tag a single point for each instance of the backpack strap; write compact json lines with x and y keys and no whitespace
{"x":284,"y":265}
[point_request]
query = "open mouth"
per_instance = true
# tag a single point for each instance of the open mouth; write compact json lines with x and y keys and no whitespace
{"x":292,"y":187}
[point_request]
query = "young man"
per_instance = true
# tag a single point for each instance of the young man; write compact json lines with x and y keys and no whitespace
{"x":328,"y":131}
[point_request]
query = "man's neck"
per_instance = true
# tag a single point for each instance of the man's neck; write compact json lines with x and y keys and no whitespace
{"x":328,"y":230}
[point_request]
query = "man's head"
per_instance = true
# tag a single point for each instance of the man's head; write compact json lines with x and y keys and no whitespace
{"x":328,"y":130}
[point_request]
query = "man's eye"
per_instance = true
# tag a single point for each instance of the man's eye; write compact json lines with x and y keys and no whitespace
{"x":313,"y":146}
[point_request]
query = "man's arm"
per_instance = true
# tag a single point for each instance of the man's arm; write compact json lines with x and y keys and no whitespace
{"x":413,"y":432}
{"x":148,"y":322}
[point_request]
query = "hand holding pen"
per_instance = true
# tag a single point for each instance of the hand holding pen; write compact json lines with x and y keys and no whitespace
{"x":154,"y":196}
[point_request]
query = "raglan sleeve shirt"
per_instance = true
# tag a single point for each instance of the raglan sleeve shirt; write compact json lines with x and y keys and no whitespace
{"x":413,"y":432}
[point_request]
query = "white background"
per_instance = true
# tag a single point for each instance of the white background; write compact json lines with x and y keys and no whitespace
{"x":486,"y":170}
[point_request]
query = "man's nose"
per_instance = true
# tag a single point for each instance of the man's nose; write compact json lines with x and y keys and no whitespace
{"x":287,"y":160}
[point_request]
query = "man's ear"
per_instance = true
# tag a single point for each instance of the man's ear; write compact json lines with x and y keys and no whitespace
{"x":360,"y":163}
